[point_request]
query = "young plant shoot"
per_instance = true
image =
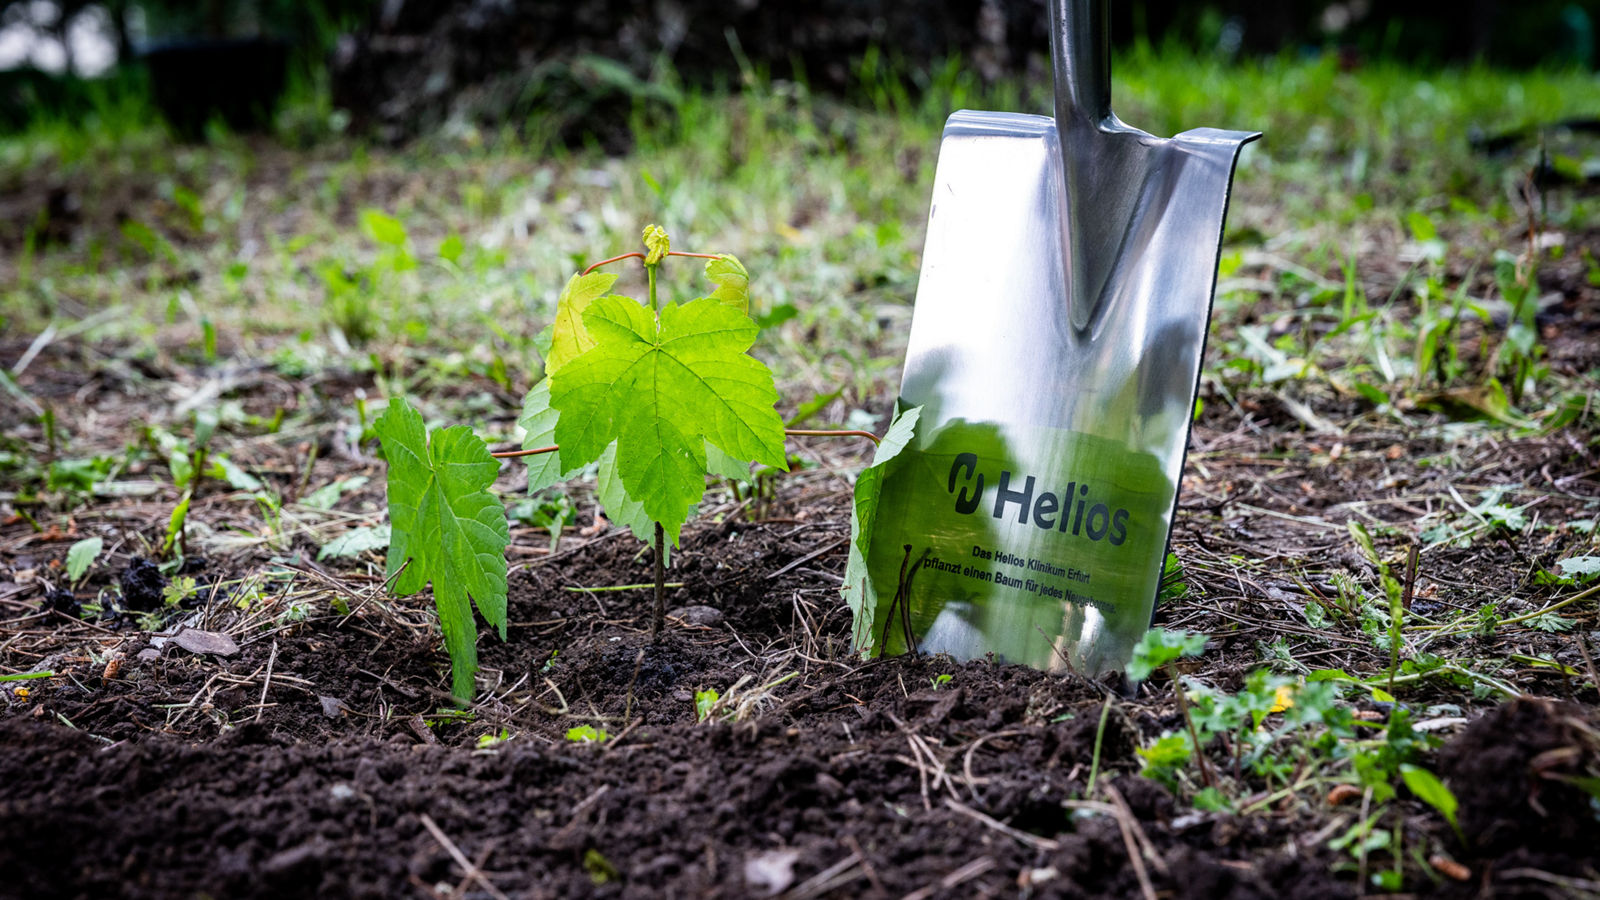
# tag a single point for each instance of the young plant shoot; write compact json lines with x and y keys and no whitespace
{"x":446,"y":528}
{"x":659,"y":395}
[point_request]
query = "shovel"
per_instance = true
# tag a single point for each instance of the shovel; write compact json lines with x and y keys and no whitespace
{"x":1055,"y":352}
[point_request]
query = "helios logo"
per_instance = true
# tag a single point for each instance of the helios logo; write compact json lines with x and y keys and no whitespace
{"x":1072,"y":510}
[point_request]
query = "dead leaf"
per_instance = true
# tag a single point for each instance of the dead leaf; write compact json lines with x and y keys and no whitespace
{"x":213,"y":642}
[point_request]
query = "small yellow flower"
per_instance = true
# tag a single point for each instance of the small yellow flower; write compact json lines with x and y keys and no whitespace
{"x":1282,"y":699}
{"x":656,"y":244}
{"x":22,"y":693}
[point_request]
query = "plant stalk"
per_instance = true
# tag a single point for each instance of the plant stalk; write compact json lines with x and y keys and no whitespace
{"x":813,"y":432}
{"x":659,"y":618}
{"x":1194,"y":733}
{"x":637,"y":255}
{"x":511,"y":454}
{"x":793,"y":432}
{"x":1099,"y":736}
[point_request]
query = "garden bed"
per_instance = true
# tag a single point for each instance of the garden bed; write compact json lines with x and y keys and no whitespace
{"x":326,"y":756}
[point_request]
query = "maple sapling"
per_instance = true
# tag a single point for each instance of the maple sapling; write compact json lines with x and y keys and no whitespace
{"x":656,"y":395}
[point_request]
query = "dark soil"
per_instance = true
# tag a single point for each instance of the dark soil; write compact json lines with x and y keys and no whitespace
{"x":850,"y":779}
{"x":1514,"y":771}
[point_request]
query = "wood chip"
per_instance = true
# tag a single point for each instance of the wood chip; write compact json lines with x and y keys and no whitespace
{"x":1449,"y":868}
{"x":1343,"y":793}
{"x":421,"y":730}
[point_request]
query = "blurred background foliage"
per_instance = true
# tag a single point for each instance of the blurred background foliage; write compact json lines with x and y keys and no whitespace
{"x":400,"y":68}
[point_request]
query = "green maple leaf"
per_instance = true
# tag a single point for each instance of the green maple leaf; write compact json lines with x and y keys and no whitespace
{"x":662,"y":391}
{"x":732,"y":281}
{"x":568,"y":338}
{"x":724,"y":465}
{"x":449,"y":526}
{"x":622,"y":509}
{"x":545,"y":470}
{"x":538,"y":422}
{"x":858,"y":590}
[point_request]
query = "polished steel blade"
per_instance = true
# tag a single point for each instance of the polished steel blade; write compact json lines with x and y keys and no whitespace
{"x":1055,"y":349}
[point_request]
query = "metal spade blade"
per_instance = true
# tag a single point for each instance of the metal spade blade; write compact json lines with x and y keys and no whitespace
{"x":1055,"y":349}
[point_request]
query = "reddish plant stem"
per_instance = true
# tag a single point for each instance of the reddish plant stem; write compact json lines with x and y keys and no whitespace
{"x":613,"y":259}
{"x":1194,"y":734}
{"x":511,"y":454}
{"x":639,"y":255}
{"x":809,"y":432}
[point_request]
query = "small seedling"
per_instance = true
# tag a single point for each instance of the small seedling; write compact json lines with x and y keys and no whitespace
{"x":552,"y":512}
{"x":704,"y":703}
{"x":738,"y":702}
{"x":491,"y":740}
{"x":661,"y":394}
{"x":1174,"y":585}
{"x":658,"y":396}
{"x":446,"y":528}
{"x":601,"y":870}
{"x":586,"y":734}
{"x":939,"y":681}
{"x":1160,"y":647}
{"x":173,"y":542}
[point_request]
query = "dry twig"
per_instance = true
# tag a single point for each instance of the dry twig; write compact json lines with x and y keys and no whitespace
{"x":466,"y":865}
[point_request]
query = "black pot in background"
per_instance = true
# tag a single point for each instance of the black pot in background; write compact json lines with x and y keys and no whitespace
{"x":239,"y":80}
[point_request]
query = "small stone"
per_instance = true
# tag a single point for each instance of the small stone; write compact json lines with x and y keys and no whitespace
{"x":771,"y":872}
{"x":698,"y":616}
{"x":149,"y":654}
{"x":1028,"y":878}
{"x":342,"y":791}
{"x":332,"y":707}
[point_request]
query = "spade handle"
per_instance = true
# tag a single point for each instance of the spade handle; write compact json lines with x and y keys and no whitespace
{"x":1080,"y":50}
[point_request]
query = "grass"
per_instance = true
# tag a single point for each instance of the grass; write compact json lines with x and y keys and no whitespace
{"x":1378,"y":272}
{"x":825,"y":201}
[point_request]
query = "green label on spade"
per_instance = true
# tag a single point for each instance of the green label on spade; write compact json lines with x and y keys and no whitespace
{"x":1042,"y":546}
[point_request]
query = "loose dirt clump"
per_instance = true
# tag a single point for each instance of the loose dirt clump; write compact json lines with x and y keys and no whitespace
{"x":1516,"y":772}
{"x":142,"y":585}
